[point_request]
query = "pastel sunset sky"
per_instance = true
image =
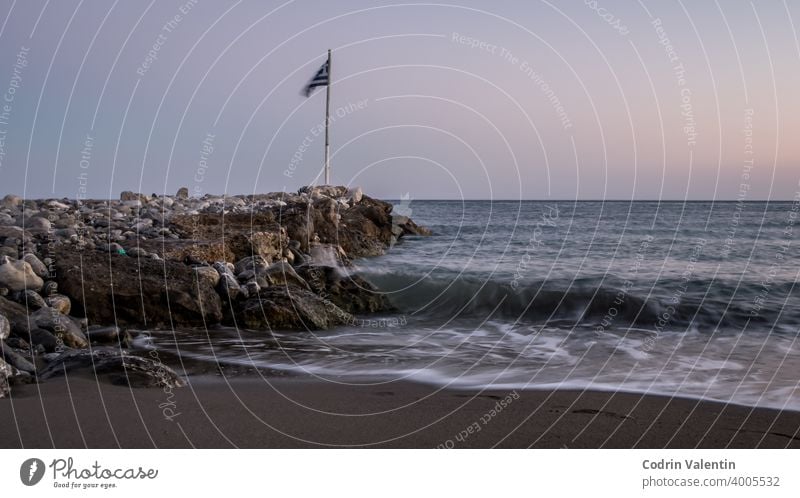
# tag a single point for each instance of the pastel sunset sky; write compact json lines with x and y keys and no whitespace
{"x":614,"y":99}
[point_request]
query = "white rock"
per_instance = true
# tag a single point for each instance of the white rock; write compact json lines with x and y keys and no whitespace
{"x":18,"y":276}
{"x":57,"y":205}
{"x":355,"y":195}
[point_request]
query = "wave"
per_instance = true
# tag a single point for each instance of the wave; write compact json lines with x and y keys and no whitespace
{"x":607,"y":302}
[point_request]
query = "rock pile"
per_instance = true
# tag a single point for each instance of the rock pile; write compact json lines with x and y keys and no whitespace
{"x":72,"y":272}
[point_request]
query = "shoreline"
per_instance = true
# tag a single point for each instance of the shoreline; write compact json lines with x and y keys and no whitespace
{"x":296,"y":412}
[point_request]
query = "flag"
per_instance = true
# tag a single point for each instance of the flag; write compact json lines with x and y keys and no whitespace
{"x":320,"y":79}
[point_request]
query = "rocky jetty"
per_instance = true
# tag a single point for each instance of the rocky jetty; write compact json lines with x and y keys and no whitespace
{"x":79,"y":273}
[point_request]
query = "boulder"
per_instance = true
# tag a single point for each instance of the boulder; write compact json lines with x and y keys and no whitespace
{"x":182,"y":194}
{"x":135,"y":292}
{"x":403,"y":225}
{"x":283,"y":274}
{"x":10,"y":252}
{"x":39,"y":268}
{"x":228,"y":286}
{"x":31,"y":300}
{"x":207,"y":274}
{"x":328,"y":209}
{"x":11,"y":201}
{"x":16,"y":315}
{"x":255,"y":264}
{"x":38,"y":224}
{"x":15,"y":359}
{"x":351,"y":293}
{"x":137,"y":252}
{"x":14,"y":233}
{"x":47,"y":340}
{"x":119,"y":367}
{"x":60,"y":325}
{"x":365,"y":229}
{"x":297,"y":309}
{"x":18,"y":276}
{"x":106,"y":335}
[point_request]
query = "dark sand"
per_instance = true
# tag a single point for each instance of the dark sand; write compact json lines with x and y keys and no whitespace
{"x":292,"y":412}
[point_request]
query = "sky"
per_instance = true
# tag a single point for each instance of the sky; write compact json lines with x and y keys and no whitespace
{"x":468,"y":99}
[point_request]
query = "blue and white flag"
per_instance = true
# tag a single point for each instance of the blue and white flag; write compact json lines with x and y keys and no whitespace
{"x":320,"y":79}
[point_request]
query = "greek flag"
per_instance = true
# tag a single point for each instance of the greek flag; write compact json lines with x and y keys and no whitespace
{"x":320,"y":79}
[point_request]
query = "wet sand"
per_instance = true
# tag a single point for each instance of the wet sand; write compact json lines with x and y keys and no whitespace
{"x":296,"y":412}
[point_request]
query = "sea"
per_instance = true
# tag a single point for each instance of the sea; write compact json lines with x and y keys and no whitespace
{"x":688,"y":299}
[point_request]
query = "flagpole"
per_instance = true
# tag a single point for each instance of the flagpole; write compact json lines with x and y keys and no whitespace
{"x":327,"y":123}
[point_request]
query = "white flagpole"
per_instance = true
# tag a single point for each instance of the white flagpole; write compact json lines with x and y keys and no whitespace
{"x":327,"y":123}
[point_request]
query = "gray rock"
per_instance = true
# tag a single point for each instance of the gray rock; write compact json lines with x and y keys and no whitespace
{"x":105,"y":334}
{"x":183,"y":193}
{"x":13,"y":236}
{"x":246,"y":276}
{"x":37,"y":266}
{"x":61,"y":326}
{"x":18,"y":276}
{"x":253,"y":263}
{"x":131,"y":292}
{"x":31,"y":300}
{"x":46,"y":340}
{"x":119,"y":367}
{"x":283,"y":274}
{"x":38,"y":224}
{"x":15,"y":359}
{"x":207,"y":274}
{"x":300,"y":309}
{"x":298,"y":258}
{"x":17,"y":316}
{"x":137,"y":252}
{"x":228,"y":286}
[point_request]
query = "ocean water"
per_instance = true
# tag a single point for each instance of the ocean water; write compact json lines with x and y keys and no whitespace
{"x":694,"y":299}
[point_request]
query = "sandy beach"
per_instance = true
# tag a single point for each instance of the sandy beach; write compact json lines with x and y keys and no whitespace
{"x":297,"y":412}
